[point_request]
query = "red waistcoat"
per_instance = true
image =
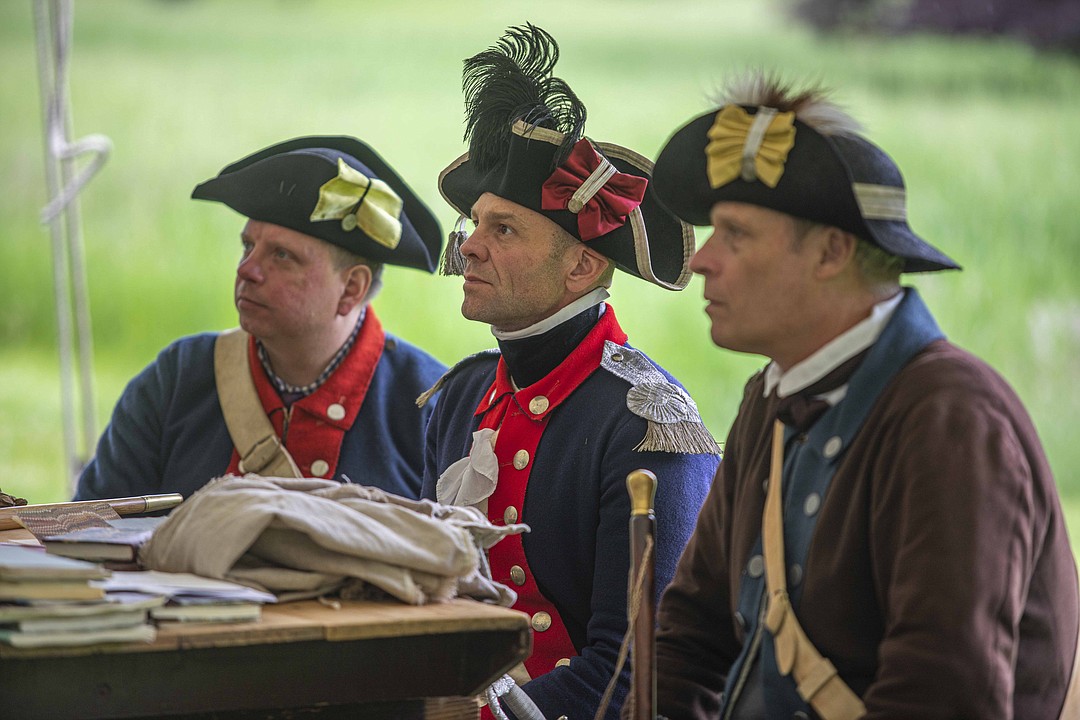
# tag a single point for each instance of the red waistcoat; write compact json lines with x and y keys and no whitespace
{"x":317,"y":423}
{"x":521,"y":418}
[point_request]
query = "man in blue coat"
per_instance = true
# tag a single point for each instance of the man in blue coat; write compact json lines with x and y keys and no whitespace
{"x":545,"y":430}
{"x":310,"y":385}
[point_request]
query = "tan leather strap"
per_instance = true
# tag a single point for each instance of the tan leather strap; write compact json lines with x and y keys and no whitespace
{"x":260,"y":449}
{"x":815,"y":677}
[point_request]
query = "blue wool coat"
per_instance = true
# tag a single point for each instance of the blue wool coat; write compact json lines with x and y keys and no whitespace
{"x":167,"y":433}
{"x":577,"y":507}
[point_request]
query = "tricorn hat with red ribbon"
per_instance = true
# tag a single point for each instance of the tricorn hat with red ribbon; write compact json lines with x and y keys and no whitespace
{"x":526,"y":145}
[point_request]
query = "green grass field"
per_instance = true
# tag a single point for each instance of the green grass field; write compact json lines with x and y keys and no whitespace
{"x":984,"y":131}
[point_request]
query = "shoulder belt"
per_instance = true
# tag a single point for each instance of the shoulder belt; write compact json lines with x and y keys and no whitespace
{"x":465,"y":362}
{"x":816,"y":678}
{"x":259,"y":447}
{"x":674,"y":422}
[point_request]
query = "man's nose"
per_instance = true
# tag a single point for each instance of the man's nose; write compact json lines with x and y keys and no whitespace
{"x":701,"y":261}
{"x":471,"y":246}
{"x":249,"y":269}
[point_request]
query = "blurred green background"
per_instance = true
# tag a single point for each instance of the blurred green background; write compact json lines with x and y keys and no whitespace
{"x":984,"y":129}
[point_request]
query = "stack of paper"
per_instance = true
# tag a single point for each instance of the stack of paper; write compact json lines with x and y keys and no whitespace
{"x":27,"y":573}
{"x":49,"y":600}
{"x":118,"y":617}
{"x":192,"y":598}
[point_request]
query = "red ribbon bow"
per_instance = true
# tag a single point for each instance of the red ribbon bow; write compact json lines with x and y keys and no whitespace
{"x":608,"y":208}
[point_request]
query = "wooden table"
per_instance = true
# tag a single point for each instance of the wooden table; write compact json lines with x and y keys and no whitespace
{"x":304,"y":659}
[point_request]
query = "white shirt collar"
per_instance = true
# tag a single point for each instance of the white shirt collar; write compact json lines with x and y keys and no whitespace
{"x":586,"y":301}
{"x":844,"y":346}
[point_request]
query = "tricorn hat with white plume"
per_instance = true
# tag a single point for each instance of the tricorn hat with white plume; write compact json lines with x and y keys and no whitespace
{"x":796,"y":153}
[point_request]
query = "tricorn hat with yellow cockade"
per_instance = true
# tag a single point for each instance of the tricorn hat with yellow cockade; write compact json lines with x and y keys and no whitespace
{"x":793,"y":153}
{"x":334,"y":188}
{"x":526,"y":144}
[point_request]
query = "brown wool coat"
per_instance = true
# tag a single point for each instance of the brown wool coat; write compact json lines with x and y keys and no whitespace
{"x":940,"y":580}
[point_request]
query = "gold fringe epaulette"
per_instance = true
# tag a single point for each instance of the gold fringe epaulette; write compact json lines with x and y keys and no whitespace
{"x":674,"y":423}
{"x":430,"y":392}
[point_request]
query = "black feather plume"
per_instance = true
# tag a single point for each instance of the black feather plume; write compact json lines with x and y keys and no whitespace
{"x":513,"y":81}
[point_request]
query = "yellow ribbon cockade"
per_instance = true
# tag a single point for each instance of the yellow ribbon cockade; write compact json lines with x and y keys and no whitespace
{"x":728,"y":136}
{"x":360,"y":201}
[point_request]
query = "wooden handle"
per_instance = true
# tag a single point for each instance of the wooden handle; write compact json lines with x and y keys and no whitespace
{"x":641,"y":484}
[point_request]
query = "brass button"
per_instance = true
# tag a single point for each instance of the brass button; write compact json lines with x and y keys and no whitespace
{"x":616,"y":357}
{"x":320,"y":468}
{"x":510,"y":515}
{"x":541,"y":621}
{"x":335,"y":412}
{"x":517,"y":575}
{"x":521,"y":459}
{"x":538,"y":405}
{"x":563,"y":663}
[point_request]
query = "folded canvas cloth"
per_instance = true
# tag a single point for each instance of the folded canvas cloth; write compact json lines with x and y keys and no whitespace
{"x":306,"y":537}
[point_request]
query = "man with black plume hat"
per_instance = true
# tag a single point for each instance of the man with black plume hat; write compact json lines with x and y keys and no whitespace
{"x":545,"y":430}
{"x":311,"y":385}
{"x":884,"y":538}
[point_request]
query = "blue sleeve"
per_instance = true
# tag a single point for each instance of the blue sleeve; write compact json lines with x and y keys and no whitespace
{"x":128,"y":457}
{"x":167,"y":433}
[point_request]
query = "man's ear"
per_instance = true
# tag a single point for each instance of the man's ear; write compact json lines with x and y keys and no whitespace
{"x":836,"y":251}
{"x":588,"y":269}
{"x":357,"y":281}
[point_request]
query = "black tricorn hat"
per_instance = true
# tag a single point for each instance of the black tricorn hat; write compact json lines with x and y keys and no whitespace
{"x":837,"y":179}
{"x":334,"y":188}
{"x":526,"y":145}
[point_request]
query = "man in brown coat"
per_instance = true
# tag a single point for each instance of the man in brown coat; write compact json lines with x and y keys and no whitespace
{"x":912,"y":560}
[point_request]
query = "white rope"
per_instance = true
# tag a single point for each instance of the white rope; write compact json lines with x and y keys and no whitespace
{"x":53,"y":21}
{"x":58,"y":115}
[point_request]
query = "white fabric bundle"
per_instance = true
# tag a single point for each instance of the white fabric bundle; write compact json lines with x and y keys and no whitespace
{"x":307,"y":537}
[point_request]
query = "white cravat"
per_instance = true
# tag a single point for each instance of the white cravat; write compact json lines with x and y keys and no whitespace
{"x":846,"y":345}
{"x":471,"y":479}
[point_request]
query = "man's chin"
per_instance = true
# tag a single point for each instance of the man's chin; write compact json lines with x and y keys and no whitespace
{"x":471,"y":312}
{"x":249,"y":326}
{"x":720,"y":338}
